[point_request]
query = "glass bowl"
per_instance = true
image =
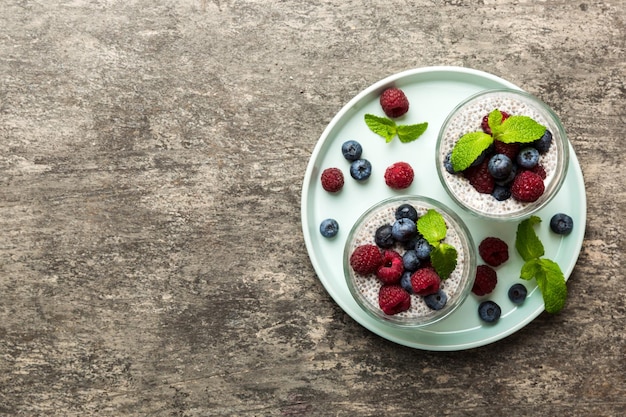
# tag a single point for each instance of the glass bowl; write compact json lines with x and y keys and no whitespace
{"x":364,"y":288}
{"x":467,"y":117}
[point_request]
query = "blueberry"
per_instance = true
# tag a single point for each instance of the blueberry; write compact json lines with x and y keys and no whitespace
{"x":406,"y":211}
{"x":329,"y":227}
{"x":423,"y":249}
{"x":561,"y":224}
{"x":528,"y":157}
{"x":517,"y":293}
{"x":447,"y":163}
{"x":543,"y":143}
{"x":383,"y":237}
{"x":361,"y":169}
{"x":403,"y":229}
{"x":436,"y":301}
{"x":351,"y":150}
{"x":510,"y":178}
{"x":405,"y":282}
{"x":500,"y":166}
{"x":501,"y":192}
{"x":410,"y":244}
{"x":410,"y":261}
{"x":489,"y":311}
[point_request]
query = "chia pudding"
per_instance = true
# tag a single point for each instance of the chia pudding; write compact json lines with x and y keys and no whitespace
{"x":365,"y":288}
{"x":467,"y":117}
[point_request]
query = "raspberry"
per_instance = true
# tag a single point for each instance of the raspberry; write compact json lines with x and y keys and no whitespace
{"x":509,"y":149}
{"x":425,"y":281}
{"x":394,"y":102}
{"x":393,"y":299}
{"x":480,"y":178}
{"x":332,"y":180}
{"x":366,"y":259}
{"x":539,"y":170}
{"x":494,"y":251}
{"x":485,"y":281}
{"x":399,"y":175}
{"x":485,"y":122}
{"x":390,"y":271}
{"x":527,"y":186}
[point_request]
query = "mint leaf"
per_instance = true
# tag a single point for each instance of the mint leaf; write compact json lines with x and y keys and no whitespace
{"x":432,"y":226}
{"x":443,"y":258}
{"x":495,"y":121}
{"x":530,"y":269}
{"x":551,"y":282}
{"x":520,"y":129}
{"x":468,"y":148}
{"x":409,"y":133}
{"x":526,"y":241}
{"x":382,"y":126}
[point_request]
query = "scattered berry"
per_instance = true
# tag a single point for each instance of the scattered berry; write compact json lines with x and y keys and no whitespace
{"x":351,"y":150}
{"x":332,"y":180}
{"x":489,"y":311}
{"x":561,"y":224}
{"x":329,"y":228}
{"x":403,"y":229}
{"x":494,"y":251}
{"x":423,"y":249}
{"x":501,"y":192}
{"x":500,"y":166}
{"x":528,"y":157}
{"x":406,"y":211}
{"x":425,"y":281}
{"x":509,"y":149}
{"x":405,"y":281}
{"x":394,"y":102}
{"x":383,"y":237}
{"x":480,"y":178}
{"x":485,"y":281}
{"x":517,"y":293}
{"x":393,"y":299}
{"x":391,"y":269}
{"x":436,"y":301}
{"x":361,"y":169}
{"x":543,"y":143}
{"x":527,"y":186}
{"x":399,"y":175}
{"x":485,"y":122}
{"x":410,"y":261}
{"x":366,"y":259}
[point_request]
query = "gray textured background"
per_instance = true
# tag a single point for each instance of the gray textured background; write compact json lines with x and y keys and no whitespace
{"x":151,"y":255}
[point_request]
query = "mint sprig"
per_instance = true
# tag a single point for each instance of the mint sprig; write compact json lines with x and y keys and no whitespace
{"x":388,"y":128}
{"x":547,"y":273}
{"x":443,"y":256}
{"x":514,"y":129}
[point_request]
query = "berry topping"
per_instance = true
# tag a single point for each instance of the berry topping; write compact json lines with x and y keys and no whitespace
{"x":509,"y":149}
{"x":394,"y":102}
{"x":485,"y":281}
{"x":366,"y":259}
{"x":494,"y":251}
{"x":517,"y":293}
{"x":480,"y":178}
{"x":410,"y":261}
{"x":406,"y":211}
{"x":423,"y":249}
{"x":500,"y":166}
{"x":393,"y":299}
{"x":489,"y":311}
{"x":351,"y":150}
{"x":425,"y":281}
{"x":436,"y":301}
{"x":390,"y":271}
{"x":543,"y":143}
{"x":383,"y":237}
{"x":447,"y":163}
{"x":527,"y":186}
{"x":332,"y":180}
{"x":399,"y":175}
{"x":540,"y":170}
{"x":528,"y":157}
{"x":501,"y":192}
{"x":329,"y":227}
{"x":405,"y":281}
{"x":561,"y":224}
{"x":361,"y":169}
{"x":403,"y":230}
{"x":485,"y":122}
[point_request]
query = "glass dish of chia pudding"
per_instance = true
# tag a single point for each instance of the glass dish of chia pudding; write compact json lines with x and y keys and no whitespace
{"x":428,"y":306}
{"x":524,"y":161}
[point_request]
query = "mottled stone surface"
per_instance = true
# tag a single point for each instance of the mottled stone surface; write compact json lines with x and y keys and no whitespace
{"x":151,"y":161}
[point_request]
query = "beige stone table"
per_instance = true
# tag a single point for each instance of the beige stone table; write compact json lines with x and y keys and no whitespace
{"x":152,"y":261}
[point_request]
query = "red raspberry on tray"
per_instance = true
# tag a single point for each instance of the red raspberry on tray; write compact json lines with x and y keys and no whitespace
{"x":394,"y":102}
{"x":494,"y":251}
{"x":332,"y":180}
{"x":393,"y":299}
{"x":485,"y":281}
{"x":425,"y":281}
{"x":399,"y":175}
{"x":366,"y":259}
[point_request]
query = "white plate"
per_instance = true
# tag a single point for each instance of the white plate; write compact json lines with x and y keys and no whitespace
{"x":432,"y":92}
